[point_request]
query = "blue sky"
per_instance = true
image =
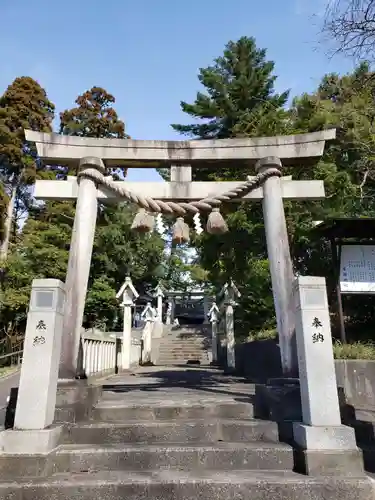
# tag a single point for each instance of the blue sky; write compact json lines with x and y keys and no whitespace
{"x":147,"y":53}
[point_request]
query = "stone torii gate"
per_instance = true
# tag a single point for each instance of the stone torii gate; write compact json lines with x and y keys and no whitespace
{"x":90,"y":157}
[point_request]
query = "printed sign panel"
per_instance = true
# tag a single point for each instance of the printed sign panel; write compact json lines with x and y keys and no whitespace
{"x":357,"y":269}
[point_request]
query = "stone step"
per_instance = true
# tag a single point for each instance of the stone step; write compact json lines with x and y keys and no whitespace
{"x":182,"y":346}
{"x":119,"y":411}
{"x":179,"y":343}
{"x":173,"y":346}
{"x":167,"y":350}
{"x":169,"y":363}
{"x":174,"y":359}
{"x":197,"y":355}
{"x":182,"y":357}
{"x":183,"y":354}
{"x":218,"y":456}
{"x":173,"y":484}
{"x":368,"y":454}
{"x":189,"y":431}
{"x":185,"y":338}
{"x":181,"y":362}
{"x":182,"y":349}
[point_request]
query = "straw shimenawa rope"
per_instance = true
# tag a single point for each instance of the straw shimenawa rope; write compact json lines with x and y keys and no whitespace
{"x":180,"y":208}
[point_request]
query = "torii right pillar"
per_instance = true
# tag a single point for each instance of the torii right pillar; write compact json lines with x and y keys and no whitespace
{"x":281,"y":266}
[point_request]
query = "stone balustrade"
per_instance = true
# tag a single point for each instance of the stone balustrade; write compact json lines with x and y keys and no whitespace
{"x":101,"y":354}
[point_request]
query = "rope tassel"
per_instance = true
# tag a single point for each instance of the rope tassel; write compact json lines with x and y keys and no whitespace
{"x":216,"y":223}
{"x":180,"y":232}
{"x":143,"y":221}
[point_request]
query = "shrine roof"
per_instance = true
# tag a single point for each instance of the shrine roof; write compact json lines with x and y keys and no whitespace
{"x":342,"y":228}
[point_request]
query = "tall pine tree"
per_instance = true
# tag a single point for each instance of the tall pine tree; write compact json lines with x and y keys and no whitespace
{"x":239,"y":97}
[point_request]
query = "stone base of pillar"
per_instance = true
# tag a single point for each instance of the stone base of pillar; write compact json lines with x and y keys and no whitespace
{"x":311,"y":437}
{"x":329,"y":463}
{"x":279,"y":400}
{"x":30,"y":442}
{"x":71,"y":391}
{"x":326,"y":451}
{"x":229,"y":371}
{"x":147,"y":363}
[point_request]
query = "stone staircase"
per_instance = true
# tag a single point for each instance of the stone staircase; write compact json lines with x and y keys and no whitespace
{"x":188,"y":343}
{"x":171,"y":434}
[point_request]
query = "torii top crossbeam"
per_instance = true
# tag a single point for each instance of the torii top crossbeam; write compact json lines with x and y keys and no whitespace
{"x":56,"y":149}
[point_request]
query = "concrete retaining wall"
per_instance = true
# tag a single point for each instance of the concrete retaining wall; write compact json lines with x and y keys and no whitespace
{"x":260,"y":360}
{"x":357,"y":378}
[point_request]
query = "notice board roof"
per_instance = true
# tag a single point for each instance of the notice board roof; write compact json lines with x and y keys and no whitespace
{"x":342,"y":228}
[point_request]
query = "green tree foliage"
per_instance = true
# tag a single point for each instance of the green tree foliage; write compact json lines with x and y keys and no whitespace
{"x":41,"y":252}
{"x":43,"y":247}
{"x":93,"y":116}
{"x":119,"y":252}
{"x":347,"y":169}
{"x":181,"y":269}
{"x":24,"y":105}
{"x":4,"y":200}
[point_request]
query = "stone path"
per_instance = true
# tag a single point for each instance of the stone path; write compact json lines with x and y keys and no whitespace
{"x":166,"y":385}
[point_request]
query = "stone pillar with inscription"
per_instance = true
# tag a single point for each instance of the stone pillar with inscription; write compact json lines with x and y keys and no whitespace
{"x":33,"y":431}
{"x":327,"y":446}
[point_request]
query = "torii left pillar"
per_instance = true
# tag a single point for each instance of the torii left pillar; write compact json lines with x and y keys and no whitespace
{"x":78,"y":270}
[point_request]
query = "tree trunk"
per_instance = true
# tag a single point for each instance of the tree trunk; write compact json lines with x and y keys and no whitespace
{"x":4,"y":247}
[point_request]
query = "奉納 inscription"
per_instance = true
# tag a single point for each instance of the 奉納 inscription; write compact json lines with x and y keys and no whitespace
{"x":41,"y":325}
{"x":39,"y":340}
{"x":317,"y":336}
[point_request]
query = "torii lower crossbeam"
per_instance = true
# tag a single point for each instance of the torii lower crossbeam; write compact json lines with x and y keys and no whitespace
{"x":177,"y":191}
